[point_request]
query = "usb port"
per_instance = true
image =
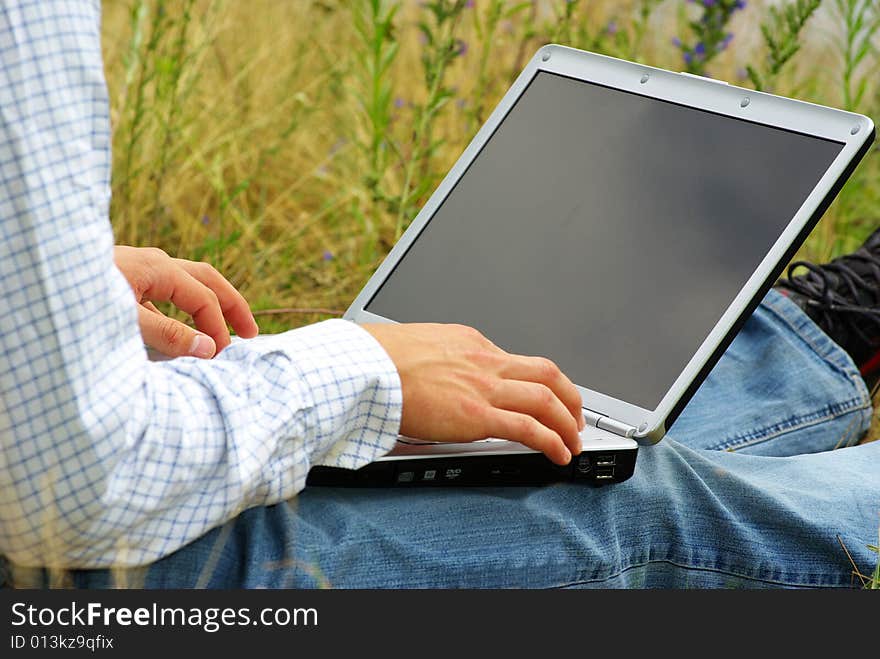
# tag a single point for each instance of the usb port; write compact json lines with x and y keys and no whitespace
{"x":605,"y":461}
{"x":605,"y":474}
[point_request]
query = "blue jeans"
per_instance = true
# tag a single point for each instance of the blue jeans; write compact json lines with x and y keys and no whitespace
{"x":745,"y":491}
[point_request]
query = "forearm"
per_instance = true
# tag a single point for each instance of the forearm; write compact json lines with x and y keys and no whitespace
{"x":161,"y":452}
{"x":176,"y":448}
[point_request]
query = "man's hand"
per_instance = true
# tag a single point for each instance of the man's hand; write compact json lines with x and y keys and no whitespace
{"x":459,"y":386}
{"x":196,"y":288}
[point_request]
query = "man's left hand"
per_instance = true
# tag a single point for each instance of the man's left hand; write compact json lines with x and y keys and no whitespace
{"x":196,"y":288}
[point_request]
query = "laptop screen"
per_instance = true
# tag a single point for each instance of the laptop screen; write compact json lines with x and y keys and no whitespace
{"x":605,"y":230}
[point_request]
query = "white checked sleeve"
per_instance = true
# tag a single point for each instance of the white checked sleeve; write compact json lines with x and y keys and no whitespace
{"x":107,"y":458}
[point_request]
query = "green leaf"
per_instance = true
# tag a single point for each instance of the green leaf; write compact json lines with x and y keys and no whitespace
{"x":755,"y":77}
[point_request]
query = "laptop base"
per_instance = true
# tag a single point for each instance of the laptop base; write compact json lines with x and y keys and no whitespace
{"x":590,"y":468}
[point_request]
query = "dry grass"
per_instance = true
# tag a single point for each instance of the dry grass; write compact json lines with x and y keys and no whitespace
{"x":252,"y":134}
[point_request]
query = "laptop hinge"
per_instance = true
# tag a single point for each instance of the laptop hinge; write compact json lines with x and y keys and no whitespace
{"x":607,"y":423}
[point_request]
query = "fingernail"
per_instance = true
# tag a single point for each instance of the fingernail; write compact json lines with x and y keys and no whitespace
{"x":202,"y":346}
{"x":566,"y":456}
{"x":582,"y":422}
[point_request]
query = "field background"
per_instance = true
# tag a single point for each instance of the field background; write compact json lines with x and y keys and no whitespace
{"x":289,"y":142}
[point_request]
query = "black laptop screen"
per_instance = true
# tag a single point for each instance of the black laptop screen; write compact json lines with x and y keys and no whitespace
{"x":605,"y":230}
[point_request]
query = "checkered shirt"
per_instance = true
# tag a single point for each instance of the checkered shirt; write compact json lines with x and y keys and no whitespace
{"x":107,"y":458}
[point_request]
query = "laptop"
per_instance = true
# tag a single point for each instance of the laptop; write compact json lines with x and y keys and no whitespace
{"x":622,"y":220}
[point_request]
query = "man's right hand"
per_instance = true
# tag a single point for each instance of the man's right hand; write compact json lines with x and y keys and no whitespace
{"x":458,"y":386}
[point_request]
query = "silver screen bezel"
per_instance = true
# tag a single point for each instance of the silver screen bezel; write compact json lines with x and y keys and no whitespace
{"x":682,"y":89}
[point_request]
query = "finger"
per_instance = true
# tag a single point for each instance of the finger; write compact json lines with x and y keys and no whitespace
{"x":527,"y":430}
{"x":544,"y":371}
{"x":235,"y":308}
{"x":538,"y":401}
{"x":152,"y":307}
{"x":173,"y":338}
{"x":191,"y":296}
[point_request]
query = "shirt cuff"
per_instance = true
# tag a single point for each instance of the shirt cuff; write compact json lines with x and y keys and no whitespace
{"x":356,"y":401}
{"x":362,"y":418}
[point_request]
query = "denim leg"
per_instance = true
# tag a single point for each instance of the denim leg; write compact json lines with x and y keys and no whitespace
{"x":767,"y":514}
{"x":776,"y":388}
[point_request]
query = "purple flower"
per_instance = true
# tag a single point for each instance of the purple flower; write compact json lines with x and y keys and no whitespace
{"x":469,"y":4}
{"x":461,"y":47}
{"x":336,"y":146}
{"x":700,"y":49}
{"x":688,"y":58}
{"x":741,"y":73}
{"x":727,"y":39}
{"x":611,"y":28}
{"x":740,"y":4}
{"x":399,"y":102}
{"x":206,"y":220}
{"x":327,"y":255}
{"x":676,"y":42}
{"x":708,"y":3}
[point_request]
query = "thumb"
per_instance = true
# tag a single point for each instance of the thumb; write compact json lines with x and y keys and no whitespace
{"x":173,"y":338}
